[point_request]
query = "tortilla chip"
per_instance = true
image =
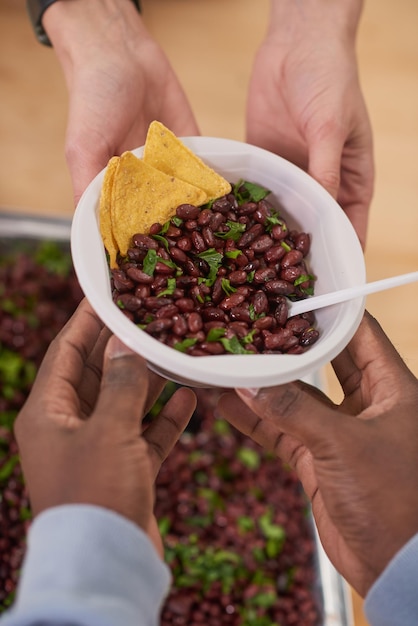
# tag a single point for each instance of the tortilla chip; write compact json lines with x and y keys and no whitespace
{"x":164,"y":151}
{"x":105,"y":210}
{"x":142,"y":195}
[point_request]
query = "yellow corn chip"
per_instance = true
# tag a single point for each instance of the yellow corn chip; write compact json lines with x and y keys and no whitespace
{"x":167,"y":153}
{"x":105,"y":208}
{"x":142,"y":195}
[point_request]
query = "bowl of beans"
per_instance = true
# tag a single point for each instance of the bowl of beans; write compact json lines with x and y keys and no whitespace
{"x":206,"y":297}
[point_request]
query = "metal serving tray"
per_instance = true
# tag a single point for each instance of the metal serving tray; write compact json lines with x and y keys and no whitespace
{"x":20,"y":228}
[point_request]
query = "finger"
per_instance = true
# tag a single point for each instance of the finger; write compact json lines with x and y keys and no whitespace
{"x":370,"y":356}
{"x":89,"y":386}
{"x":156,"y":385}
{"x":325,"y":150}
{"x":269,"y":436}
{"x":63,"y":364}
{"x":164,"y":431}
{"x":124,"y":387}
{"x":295,"y":411}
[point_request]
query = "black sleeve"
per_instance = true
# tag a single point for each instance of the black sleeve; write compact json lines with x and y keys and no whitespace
{"x":36,"y":9}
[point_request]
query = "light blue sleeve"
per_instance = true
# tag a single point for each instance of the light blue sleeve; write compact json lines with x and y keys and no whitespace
{"x":393,"y":599}
{"x":88,"y":566}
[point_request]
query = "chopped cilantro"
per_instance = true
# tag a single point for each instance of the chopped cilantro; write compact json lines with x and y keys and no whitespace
{"x":235,"y":231}
{"x":245,"y":191}
{"x":150,"y":261}
{"x":182,"y":346}
{"x":227,"y":287}
{"x":171,"y":285}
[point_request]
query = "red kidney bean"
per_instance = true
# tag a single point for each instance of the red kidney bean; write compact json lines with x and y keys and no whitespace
{"x":262,"y":244}
{"x":121,"y":281}
{"x":290,"y":274}
{"x":194,"y":322}
{"x":213,"y":314}
{"x":163,"y":268}
{"x":281,"y":312}
{"x":157,"y":326}
{"x":169,"y":310}
{"x":278,"y":339}
{"x":187,"y":212}
{"x":191,"y":268}
{"x":139,"y":276}
{"x":250,"y":235}
{"x":241,"y":260}
{"x":260,"y":302}
{"x":155,"y":228}
{"x":222,"y":205}
{"x":180,"y":326}
{"x":190,"y":225}
{"x":279,"y":287}
{"x":145,"y":242}
{"x":212,"y":347}
{"x":265,"y":323}
{"x":309,"y":337}
{"x":142,"y":291}
{"x":291,"y":258}
{"x":129,"y":302}
{"x":238,"y":277}
{"x":303,"y":243}
{"x":232,"y":301}
{"x":216,"y":220}
{"x":264,"y":274}
{"x":159,"y":283}
{"x":136,"y":254}
{"x":240,"y":314}
{"x":173,"y":232}
{"x":297,"y":324}
{"x":208,"y":237}
{"x":154,"y":303}
{"x":198,"y":241}
{"x":185,"y":305}
{"x":274,"y":254}
{"x":179,"y":256}
{"x":247,"y":208}
{"x":184,"y":243}
{"x":204,"y":217}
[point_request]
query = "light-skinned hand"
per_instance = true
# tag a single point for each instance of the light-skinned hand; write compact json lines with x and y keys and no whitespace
{"x":119,"y":80}
{"x":305,"y":102}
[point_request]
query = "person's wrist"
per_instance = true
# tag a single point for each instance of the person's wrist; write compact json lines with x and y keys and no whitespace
{"x":290,"y":20}
{"x":38,"y":9}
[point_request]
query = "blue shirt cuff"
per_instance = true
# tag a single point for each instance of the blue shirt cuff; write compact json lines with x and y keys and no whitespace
{"x":89,"y":565}
{"x":393,"y":599}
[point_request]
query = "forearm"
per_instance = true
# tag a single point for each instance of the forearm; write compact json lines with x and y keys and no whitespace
{"x":77,"y":28}
{"x":290,"y":19}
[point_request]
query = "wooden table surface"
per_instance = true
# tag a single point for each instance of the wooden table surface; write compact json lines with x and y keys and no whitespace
{"x":33,"y":105}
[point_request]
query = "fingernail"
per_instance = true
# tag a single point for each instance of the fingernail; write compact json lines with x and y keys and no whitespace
{"x":116,"y":349}
{"x":247,"y":392}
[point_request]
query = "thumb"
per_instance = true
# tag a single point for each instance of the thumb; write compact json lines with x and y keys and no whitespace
{"x":296,"y":409}
{"x":124,"y":386}
{"x":325,"y":161}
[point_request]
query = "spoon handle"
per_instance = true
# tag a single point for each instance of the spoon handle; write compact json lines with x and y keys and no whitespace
{"x":349,"y":293}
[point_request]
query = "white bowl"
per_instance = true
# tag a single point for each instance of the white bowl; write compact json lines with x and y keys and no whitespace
{"x":336,"y":259}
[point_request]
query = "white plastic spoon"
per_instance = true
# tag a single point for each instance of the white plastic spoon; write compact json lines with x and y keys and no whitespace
{"x":349,"y":293}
